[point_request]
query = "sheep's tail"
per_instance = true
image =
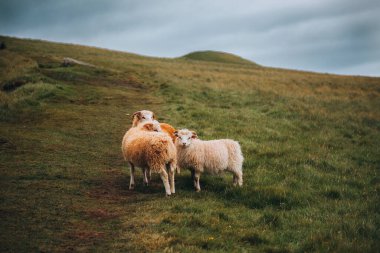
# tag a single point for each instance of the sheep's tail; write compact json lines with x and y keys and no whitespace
{"x":236,"y":156}
{"x":123,"y":149}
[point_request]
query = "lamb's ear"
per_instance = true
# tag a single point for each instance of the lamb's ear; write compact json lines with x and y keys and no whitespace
{"x":175,"y":133}
{"x":154,"y":116}
{"x":136,"y":114}
{"x":148,"y":127}
{"x":194,"y":136}
{"x":136,"y":118}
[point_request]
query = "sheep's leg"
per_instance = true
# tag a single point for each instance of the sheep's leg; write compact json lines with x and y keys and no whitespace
{"x":149,"y":175}
{"x":238,"y":178}
{"x":235,"y":180}
{"x":172,"y":169}
{"x":164,"y":177}
{"x":145,"y":172}
{"x":193,"y":178}
{"x":197,"y":186}
{"x":132,"y":177}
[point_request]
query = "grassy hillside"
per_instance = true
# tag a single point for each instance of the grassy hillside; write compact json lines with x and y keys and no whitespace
{"x":215,"y":56}
{"x":310,"y":141}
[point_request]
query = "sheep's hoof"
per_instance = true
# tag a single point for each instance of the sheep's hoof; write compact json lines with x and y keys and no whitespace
{"x":131,"y":187}
{"x":197,"y":190}
{"x":146,"y":184}
{"x":167,"y":195}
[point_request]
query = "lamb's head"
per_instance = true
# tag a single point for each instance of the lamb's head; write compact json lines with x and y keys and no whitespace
{"x":151,"y":126}
{"x":185,"y":137}
{"x":142,"y":116}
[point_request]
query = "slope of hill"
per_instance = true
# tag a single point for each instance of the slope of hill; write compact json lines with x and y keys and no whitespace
{"x":310,"y":143}
{"x":215,"y":56}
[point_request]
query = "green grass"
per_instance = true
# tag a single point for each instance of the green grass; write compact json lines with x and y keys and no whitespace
{"x":215,"y":56}
{"x":310,"y":143}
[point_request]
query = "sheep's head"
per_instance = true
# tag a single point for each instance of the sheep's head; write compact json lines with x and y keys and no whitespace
{"x":185,"y":137}
{"x":142,"y":116}
{"x":151,"y":126}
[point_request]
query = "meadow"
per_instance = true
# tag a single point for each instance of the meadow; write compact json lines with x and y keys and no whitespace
{"x":310,"y":142}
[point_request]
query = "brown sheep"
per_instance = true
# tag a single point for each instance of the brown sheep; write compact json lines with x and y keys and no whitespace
{"x":153,"y":151}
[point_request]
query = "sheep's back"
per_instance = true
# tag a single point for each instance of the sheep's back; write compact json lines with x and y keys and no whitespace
{"x":215,"y":156}
{"x":134,"y":150}
{"x":211,"y":156}
{"x":234,"y":152}
{"x":150,"y":149}
{"x":208,"y":156}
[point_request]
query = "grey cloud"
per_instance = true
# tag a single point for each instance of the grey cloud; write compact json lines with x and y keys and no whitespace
{"x":324,"y":35}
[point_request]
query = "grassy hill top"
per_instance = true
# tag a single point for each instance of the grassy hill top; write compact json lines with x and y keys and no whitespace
{"x":310,"y":143}
{"x":214,"y":56}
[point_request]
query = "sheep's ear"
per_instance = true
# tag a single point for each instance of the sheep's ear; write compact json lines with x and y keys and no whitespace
{"x":194,"y":136}
{"x":154,"y":116}
{"x":148,"y":126}
{"x":136,"y":114}
{"x":175,"y":133}
{"x":136,"y":118}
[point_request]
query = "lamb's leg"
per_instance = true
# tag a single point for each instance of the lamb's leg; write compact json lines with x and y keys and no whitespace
{"x":145,"y":172}
{"x":164,"y":177}
{"x":193,"y":178}
{"x":238,"y":178}
{"x":197,"y":186}
{"x":172,"y":169}
{"x":149,"y":176}
{"x":235,"y":180}
{"x":132,"y":175}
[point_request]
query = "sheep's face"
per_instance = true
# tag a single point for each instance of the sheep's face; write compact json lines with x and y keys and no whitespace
{"x":151,"y":126}
{"x":146,"y":116}
{"x":185,"y":137}
{"x":156,"y":126}
{"x":142,"y":116}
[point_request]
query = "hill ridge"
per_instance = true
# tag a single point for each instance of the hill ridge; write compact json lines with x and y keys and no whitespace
{"x":217,"y":56}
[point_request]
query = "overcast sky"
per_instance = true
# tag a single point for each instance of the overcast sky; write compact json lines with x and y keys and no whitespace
{"x":335,"y":36}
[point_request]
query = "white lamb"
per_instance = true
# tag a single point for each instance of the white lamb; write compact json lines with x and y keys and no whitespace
{"x":150,"y":150}
{"x":208,"y":156}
